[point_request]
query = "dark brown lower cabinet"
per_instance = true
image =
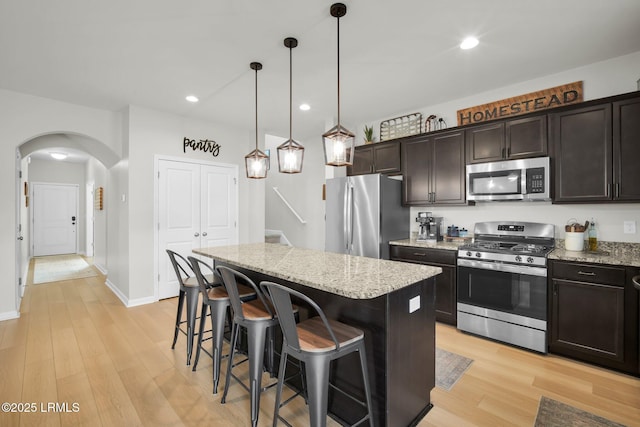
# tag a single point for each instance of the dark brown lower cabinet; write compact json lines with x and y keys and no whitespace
{"x":594,"y":314}
{"x":445,"y":283}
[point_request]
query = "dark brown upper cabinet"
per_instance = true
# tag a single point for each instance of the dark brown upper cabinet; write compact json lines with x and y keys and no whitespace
{"x":433,"y":169}
{"x":506,"y":140}
{"x":596,"y":151}
{"x":582,"y":150}
{"x":381,"y":157}
{"x":626,"y":150}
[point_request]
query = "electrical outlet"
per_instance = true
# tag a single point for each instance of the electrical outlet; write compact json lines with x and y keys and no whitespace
{"x":629,"y":227}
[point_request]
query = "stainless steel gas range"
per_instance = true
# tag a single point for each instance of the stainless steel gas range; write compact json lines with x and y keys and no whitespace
{"x":502,"y":282}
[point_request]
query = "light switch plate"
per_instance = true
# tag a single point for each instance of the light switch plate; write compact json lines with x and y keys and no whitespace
{"x":629,"y":227}
{"x":414,"y":304}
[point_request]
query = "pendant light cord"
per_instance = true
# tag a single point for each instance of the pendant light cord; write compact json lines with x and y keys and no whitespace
{"x":290,"y":92}
{"x":256,"y":108}
{"x":338,"y":50}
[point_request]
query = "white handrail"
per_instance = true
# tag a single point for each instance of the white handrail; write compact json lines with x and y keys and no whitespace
{"x":289,"y":206}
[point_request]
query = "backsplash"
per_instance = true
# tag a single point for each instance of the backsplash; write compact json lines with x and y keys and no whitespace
{"x":609,"y":218}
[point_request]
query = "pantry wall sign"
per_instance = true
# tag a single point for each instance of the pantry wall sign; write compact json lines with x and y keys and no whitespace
{"x":558,"y":96}
{"x":204,"y":145}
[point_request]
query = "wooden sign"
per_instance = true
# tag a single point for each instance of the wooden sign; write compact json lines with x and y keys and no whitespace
{"x":558,"y":96}
{"x":98,"y":199}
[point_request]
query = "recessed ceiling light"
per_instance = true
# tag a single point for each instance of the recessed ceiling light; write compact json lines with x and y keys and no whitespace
{"x":305,"y":107}
{"x":469,"y":43}
{"x":192,"y":98}
{"x":58,"y":156}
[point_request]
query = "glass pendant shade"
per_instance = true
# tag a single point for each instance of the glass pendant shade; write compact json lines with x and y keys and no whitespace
{"x":338,"y":146}
{"x":290,"y":156}
{"x":256,"y":163}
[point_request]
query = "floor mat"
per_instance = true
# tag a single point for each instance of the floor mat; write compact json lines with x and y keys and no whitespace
{"x":449,"y":368}
{"x":61,"y":267}
{"x":553,"y":413}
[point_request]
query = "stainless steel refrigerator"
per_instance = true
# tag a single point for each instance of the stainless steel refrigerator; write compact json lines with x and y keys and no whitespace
{"x":363,"y":213}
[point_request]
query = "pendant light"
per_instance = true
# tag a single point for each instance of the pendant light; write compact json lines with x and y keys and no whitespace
{"x":290,"y":152}
{"x":338,"y":141}
{"x":256,"y":161}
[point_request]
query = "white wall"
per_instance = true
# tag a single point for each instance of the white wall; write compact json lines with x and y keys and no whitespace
{"x":61,"y":172}
{"x":303,"y":191}
{"x":600,"y":80}
{"x":97,"y":175}
{"x":152,"y":132}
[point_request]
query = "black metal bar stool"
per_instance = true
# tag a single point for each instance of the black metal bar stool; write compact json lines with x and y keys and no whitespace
{"x":316,"y":342}
{"x":257,"y":317}
{"x":189,"y":291}
{"x":216,"y":300}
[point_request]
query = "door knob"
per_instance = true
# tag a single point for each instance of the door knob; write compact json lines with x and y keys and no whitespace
{"x":20,"y":238}
{"x":204,"y":233}
{"x":196,"y":234}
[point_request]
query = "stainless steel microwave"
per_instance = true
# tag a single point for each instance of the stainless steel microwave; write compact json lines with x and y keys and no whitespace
{"x":522,"y":179}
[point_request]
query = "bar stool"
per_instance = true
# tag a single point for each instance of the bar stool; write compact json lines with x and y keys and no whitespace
{"x":257,"y":317}
{"x":316,"y":342}
{"x":189,"y":291}
{"x":216,"y":300}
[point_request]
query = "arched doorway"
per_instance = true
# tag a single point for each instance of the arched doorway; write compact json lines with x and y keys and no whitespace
{"x":83,"y":152}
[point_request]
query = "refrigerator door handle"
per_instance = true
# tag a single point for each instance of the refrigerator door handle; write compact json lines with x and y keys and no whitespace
{"x":350,"y":218}
{"x":345,"y":206}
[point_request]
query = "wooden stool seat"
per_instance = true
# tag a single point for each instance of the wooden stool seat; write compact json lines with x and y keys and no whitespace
{"x":314,"y":337}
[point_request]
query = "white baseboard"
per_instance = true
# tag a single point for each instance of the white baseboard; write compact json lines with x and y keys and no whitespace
{"x":126,"y":301}
{"x":8,"y":315}
{"x":100,"y":267}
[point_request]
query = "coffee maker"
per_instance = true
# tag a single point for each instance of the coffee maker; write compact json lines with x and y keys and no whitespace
{"x":430,"y":228}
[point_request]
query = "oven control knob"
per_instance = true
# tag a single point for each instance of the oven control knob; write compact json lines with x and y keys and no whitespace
{"x":468,"y":253}
{"x":530,"y":260}
{"x":478,"y":254}
{"x":518,"y":258}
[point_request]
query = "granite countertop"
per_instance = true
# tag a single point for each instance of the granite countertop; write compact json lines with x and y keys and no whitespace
{"x":444,"y":245}
{"x":346,"y":275}
{"x":613,"y":253}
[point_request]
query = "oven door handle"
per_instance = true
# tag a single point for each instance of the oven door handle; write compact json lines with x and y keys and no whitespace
{"x":507,"y":268}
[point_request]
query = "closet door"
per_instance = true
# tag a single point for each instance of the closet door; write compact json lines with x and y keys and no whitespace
{"x":197,"y":207}
{"x":218,"y":206}
{"x":179,"y":218}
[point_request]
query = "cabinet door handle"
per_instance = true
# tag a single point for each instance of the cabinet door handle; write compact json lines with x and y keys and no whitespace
{"x":587,"y":273}
{"x":508,"y":151}
{"x":608,"y":190}
{"x":419,"y":254}
{"x":555,"y":288}
{"x":503,"y":151}
{"x":617,"y":190}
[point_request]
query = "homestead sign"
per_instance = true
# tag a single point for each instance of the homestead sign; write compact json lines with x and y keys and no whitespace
{"x":523,"y":104}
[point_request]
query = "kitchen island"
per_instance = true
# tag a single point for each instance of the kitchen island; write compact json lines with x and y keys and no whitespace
{"x":392,"y":302}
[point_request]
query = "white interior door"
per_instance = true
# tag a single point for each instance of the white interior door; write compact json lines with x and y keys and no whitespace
{"x":218,"y":206}
{"x":19,"y":234}
{"x":196,"y":208}
{"x":55,"y":218}
{"x":179,"y":218}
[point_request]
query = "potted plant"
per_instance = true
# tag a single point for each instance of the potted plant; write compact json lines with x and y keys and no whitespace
{"x":368,"y":134}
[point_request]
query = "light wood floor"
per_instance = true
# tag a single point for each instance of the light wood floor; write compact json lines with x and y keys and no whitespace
{"x":75,"y":343}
